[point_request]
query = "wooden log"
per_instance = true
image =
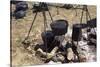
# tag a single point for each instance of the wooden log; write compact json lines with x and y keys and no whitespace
{"x":54,"y":50}
{"x":70,"y":54}
{"x":41,"y":53}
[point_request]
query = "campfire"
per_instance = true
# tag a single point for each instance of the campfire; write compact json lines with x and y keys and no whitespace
{"x":76,"y":48}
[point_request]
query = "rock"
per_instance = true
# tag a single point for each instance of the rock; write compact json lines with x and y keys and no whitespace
{"x":26,"y":43}
{"x":86,"y":52}
{"x":21,"y":6}
{"x":82,"y":58}
{"x":61,"y":58}
{"x":19,"y":14}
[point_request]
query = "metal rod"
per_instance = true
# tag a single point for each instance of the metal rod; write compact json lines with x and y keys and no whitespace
{"x":31,"y":26}
{"x":87,"y":20}
{"x":50,"y":15}
{"x":57,"y":11}
{"x":43,"y":12}
{"x":82,"y":15}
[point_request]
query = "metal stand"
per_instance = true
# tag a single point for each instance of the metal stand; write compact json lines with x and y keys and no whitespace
{"x":45,"y":21}
{"x":87,"y":14}
{"x":84,"y":9}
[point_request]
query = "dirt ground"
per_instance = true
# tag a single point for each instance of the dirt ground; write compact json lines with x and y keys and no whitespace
{"x":20,"y":27}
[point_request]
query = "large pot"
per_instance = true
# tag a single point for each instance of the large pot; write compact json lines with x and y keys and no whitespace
{"x":59,"y":27}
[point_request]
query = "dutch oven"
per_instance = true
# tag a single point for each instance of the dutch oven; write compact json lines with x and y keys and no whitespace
{"x":59,"y":27}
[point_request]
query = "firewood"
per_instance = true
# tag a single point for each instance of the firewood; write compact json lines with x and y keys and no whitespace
{"x":40,"y":52}
{"x":70,"y":54}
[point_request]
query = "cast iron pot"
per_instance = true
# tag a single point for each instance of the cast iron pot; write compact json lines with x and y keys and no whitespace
{"x":76,"y":33}
{"x":59,"y":27}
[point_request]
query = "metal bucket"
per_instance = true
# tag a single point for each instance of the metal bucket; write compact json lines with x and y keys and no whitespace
{"x":76,"y":33}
